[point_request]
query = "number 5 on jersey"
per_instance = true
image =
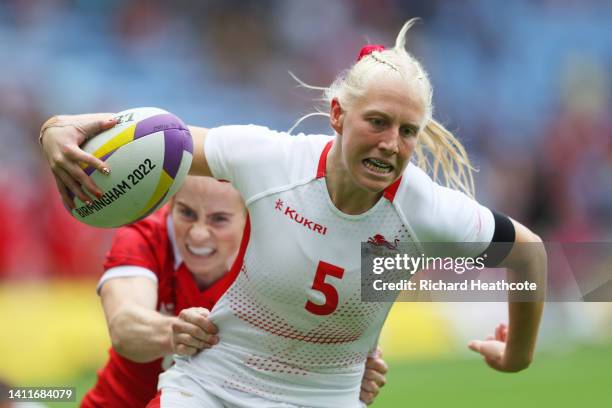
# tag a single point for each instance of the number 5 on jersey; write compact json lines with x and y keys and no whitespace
{"x":330,"y":292}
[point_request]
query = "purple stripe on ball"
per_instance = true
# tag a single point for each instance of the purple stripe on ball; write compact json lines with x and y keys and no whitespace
{"x":174,"y":142}
{"x":158,"y":123}
{"x":89,"y":169}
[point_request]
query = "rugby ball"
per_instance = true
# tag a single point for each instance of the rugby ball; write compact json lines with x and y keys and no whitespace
{"x":149,"y":153}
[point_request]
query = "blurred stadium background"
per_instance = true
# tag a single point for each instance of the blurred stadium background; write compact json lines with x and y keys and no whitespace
{"x":526,"y":84}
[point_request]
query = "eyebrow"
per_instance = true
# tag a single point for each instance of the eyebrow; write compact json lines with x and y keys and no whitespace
{"x":182,"y":204}
{"x":386,"y":116}
{"x":229,"y":214}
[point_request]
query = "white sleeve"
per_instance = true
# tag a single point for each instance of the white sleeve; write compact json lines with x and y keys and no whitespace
{"x":442,"y":215}
{"x":256,"y":159}
{"x":126,"y":271}
{"x":250,"y":157}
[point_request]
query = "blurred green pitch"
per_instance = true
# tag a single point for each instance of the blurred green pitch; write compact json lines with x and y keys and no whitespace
{"x":580,"y":378}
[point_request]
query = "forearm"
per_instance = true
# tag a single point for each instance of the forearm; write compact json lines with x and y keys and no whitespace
{"x":141,"y":334}
{"x":525,"y":316}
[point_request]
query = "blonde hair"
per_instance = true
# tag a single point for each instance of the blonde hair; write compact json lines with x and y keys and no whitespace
{"x":438,"y":149}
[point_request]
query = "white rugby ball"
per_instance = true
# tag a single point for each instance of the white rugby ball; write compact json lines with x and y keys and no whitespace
{"x":149,"y":153}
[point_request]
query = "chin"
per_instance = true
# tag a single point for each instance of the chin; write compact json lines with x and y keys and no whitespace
{"x":374,"y":185}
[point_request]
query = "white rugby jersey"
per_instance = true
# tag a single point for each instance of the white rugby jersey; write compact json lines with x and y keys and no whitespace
{"x":292,"y":326}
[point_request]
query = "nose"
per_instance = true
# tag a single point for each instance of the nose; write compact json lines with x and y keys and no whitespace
{"x":199,"y":233}
{"x":389,"y":142}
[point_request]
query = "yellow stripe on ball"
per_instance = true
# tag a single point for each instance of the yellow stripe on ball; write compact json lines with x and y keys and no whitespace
{"x":122,"y":138}
{"x":165,"y":181}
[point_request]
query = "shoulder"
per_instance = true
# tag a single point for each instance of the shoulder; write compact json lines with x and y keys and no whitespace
{"x":441,"y":214}
{"x":142,"y":243}
{"x":256,"y":159}
{"x":259,"y":138}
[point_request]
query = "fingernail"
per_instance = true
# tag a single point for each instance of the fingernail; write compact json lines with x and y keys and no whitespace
{"x":99,"y":194}
{"x":106,"y":170}
{"x":89,"y":203}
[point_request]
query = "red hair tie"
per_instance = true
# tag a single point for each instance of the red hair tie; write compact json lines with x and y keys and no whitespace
{"x":368,"y":49}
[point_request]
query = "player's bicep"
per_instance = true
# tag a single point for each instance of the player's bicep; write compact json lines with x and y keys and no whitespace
{"x":124,"y":291}
{"x":199,"y":165}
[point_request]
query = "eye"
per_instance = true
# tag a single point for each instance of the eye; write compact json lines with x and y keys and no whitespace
{"x":219,"y":218}
{"x":377,"y":122}
{"x":187,"y":213}
{"x":408,"y":131}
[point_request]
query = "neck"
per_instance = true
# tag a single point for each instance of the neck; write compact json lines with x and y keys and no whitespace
{"x":346,"y":195}
{"x":204,"y":281}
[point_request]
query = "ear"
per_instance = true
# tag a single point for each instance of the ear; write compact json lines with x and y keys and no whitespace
{"x":336,"y":116}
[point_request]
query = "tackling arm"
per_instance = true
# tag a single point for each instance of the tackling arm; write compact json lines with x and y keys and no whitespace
{"x":138,"y":332}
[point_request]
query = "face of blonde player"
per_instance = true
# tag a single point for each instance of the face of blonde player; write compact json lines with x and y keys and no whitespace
{"x":208,"y":218}
{"x":376,"y":137}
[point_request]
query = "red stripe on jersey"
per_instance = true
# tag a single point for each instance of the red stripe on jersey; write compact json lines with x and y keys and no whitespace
{"x":323,"y":160}
{"x":225,"y":282}
{"x":392,"y":189}
{"x":155,"y":402}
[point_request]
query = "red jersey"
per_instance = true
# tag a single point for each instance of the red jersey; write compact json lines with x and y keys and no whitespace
{"x":146,"y":248}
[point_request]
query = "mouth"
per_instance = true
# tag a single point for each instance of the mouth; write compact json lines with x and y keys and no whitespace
{"x":200,"y":251}
{"x":378,"y":166}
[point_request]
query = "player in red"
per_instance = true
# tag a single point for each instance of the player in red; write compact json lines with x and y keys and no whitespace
{"x":172,"y":263}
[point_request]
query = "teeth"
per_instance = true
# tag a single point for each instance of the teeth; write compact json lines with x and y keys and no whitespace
{"x":378,"y":166}
{"x":200,"y":251}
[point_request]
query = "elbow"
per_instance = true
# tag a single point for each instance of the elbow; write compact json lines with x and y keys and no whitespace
{"x":118,"y":342}
{"x":121,"y":342}
{"x":521,"y":364}
{"x":533,"y":250}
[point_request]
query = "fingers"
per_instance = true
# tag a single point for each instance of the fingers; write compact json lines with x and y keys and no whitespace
{"x":373,"y":377}
{"x":201,"y":338}
{"x":184,"y":350}
{"x":77,"y":173}
{"x":63,"y":190}
{"x":378,"y":378}
{"x":193,"y":331}
{"x":369,"y":391}
{"x":90,"y":160}
{"x":185,"y":343}
{"x":187,"y":339}
{"x":65,"y":167}
{"x":366,"y":397}
{"x":501,"y":332}
{"x":490,"y":349}
{"x":377,"y":364}
{"x":475,"y":345}
{"x":69,"y":182}
{"x":199,"y":317}
{"x":94,"y":127}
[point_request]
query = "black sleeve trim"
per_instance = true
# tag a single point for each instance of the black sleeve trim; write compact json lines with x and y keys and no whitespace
{"x":504,"y":236}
